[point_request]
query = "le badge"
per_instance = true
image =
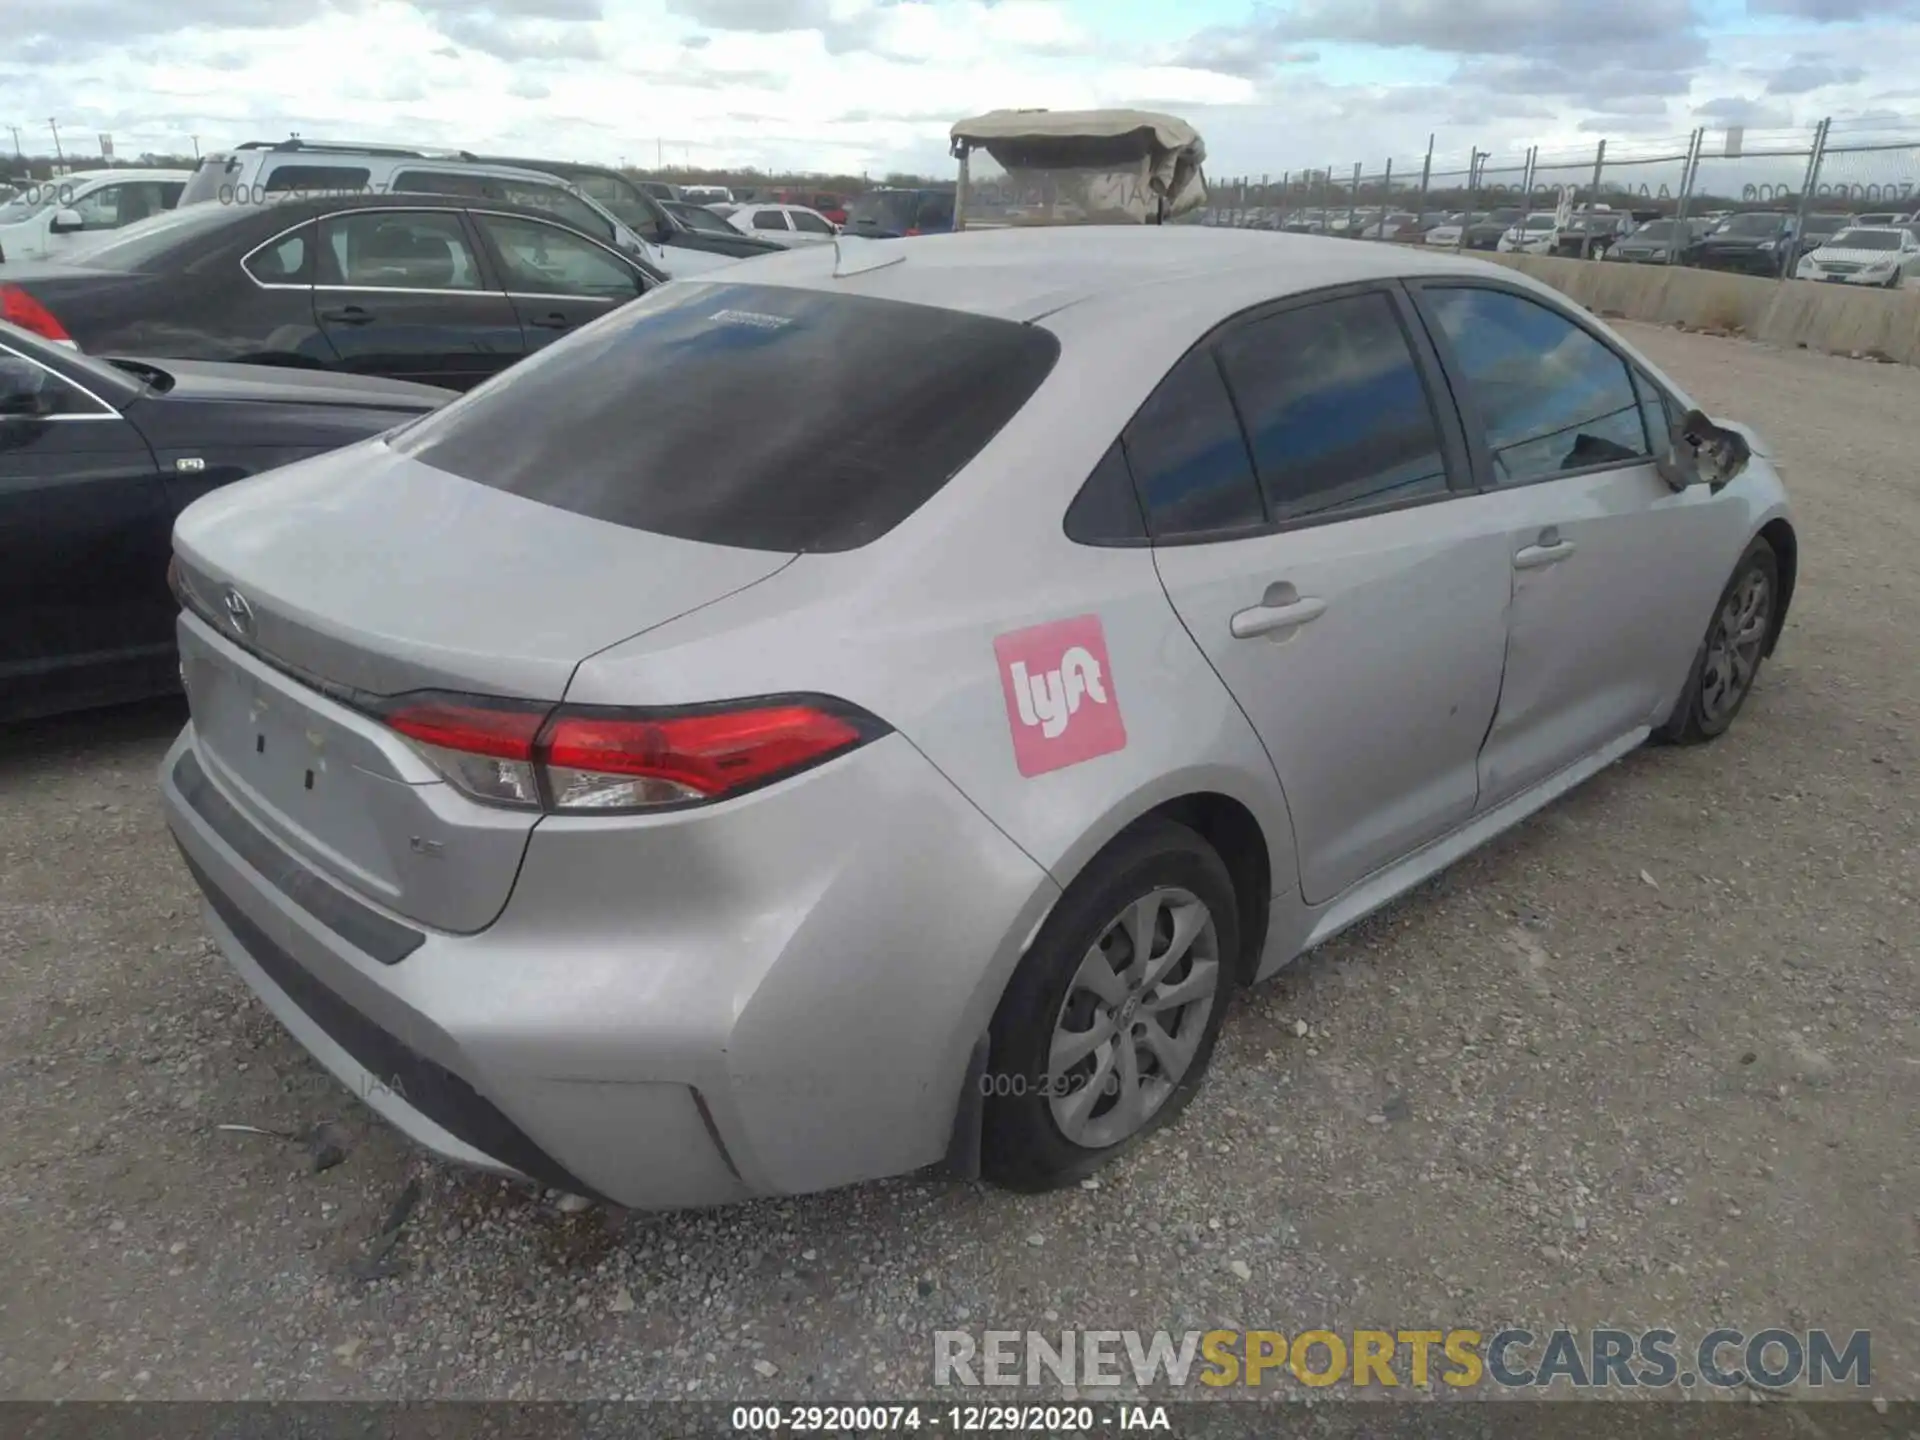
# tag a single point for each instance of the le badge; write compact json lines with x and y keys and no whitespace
{"x":1061,"y":704}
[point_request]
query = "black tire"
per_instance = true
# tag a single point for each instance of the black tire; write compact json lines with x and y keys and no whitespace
{"x":1022,"y":1145}
{"x":1699,"y":716}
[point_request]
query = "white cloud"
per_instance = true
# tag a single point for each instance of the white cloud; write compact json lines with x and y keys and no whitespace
{"x":873,"y":84}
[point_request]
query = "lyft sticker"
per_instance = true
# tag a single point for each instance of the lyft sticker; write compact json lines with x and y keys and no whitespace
{"x":1061,"y":703}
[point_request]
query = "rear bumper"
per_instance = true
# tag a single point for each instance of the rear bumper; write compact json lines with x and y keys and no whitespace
{"x":782,"y":998}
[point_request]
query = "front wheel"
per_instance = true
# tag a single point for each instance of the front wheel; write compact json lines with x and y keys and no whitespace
{"x":1729,"y":657}
{"x":1110,"y":1020}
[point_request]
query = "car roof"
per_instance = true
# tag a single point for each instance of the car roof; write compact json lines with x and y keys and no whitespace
{"x":1024,"y":274}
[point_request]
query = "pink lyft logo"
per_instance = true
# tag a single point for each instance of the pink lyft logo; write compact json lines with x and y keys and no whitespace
{"x":1061,"y":705}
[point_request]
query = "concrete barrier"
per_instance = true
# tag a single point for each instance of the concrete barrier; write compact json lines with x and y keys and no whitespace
{"x":1841,"y":319}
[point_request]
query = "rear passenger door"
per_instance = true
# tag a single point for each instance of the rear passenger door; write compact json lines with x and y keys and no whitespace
{"x":557,"y":280}
{"x":1298,"y":474}
{"x":405,"y":294}
{"x":1597,"y":545}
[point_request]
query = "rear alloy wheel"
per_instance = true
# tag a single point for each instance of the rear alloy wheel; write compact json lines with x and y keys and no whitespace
{"x":1729,"y":658}
{"x":1109,"y":1023}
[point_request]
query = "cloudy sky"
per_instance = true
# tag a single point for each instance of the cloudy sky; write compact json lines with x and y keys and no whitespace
{"x":872,"y":84}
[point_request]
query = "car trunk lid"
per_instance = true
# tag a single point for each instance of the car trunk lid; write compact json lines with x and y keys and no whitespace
{"x":321,"y":588}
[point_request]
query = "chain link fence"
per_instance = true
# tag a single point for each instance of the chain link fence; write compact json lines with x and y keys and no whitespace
{"x":1670,"y":199}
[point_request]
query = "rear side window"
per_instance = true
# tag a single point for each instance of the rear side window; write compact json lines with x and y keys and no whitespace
{"x":1189,"y":458}
{"x":752,"y":416}
{"x":1107,"y":510}
{"x":286,"y":261}
{"x":1334,"y":408}
{"x":1551,"y":397}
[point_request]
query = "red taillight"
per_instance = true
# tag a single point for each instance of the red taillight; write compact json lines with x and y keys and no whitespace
{"x":501,"y":732}
{"x":587,"y":759}
{"x":913,"y":230}
{"x":17,"y":307}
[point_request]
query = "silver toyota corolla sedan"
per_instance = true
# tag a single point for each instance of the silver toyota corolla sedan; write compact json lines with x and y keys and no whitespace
{"x":876,"y":707}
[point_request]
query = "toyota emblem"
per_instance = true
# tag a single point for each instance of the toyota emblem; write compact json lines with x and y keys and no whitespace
{"x":239,"y":613}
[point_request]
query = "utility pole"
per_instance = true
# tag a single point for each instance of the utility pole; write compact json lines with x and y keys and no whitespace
{"x":18,"y":153}
{"x":1677,"y":241}
{"x":196,"y":145}
{"x":659,"y":154}
{"x":1426,"y":175}
{"x":1790,"y":249}
{"x":1476,"y":159}
{"x":54,"y":125}
{"x":1586,"y":229}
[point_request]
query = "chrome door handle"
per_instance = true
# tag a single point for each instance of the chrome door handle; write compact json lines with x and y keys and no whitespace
{"x":1534,"y":556}
{"x":1266,"y":619}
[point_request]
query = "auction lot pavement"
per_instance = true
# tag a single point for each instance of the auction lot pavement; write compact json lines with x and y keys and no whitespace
{"x":1653,"y":1059}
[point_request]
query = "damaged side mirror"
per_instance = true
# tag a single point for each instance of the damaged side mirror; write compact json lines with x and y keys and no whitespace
{"x":1703,"y":453}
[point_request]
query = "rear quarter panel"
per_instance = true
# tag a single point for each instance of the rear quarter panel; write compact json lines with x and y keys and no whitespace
{"x":907,"y":628}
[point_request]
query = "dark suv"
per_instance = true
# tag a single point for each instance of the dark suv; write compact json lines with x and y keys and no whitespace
{"x":887,"y":214}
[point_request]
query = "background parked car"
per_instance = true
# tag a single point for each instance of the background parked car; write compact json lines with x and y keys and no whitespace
{"x":97,"y":457}
{"x":785,"y":225}
{"x":1485,"y":233}
{"x":63,"y":216}
{"x":411,"y":287}
{"x":259,"y":170}
{"x":886,"y":213}
{"x":1536,"y":234}
{"x":1883,"y":217}
{"x":685,"y":250}
{"x":1650,"y":243}
{"x":660,"y":189}
{"x":1450,"y":230}
{"x":1819,"y":229}
{"x":833,"y":207}
{"x":709,"y":224}
{"x":1395,"y":225}
{"x":1756,"y":242}
{"x":1591,"y":233}
{"x":706,"y":194}
{"x":1883,"y":255}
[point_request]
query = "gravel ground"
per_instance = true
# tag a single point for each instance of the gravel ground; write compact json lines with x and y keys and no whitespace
{"x":1651,"y":1059}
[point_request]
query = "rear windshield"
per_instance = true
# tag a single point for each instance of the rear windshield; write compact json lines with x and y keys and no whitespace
{"x":744,"y":415}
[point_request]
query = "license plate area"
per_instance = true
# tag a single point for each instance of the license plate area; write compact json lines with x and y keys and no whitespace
{"x":299,"y":766}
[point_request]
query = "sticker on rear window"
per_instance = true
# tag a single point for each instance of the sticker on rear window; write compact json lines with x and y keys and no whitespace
{"x":1061,"y":704}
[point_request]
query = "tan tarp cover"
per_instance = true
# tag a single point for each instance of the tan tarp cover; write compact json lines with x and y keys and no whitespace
{"x":1167,"y":155}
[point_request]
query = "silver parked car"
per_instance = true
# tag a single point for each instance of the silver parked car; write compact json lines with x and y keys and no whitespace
{"x":876,"y":708}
